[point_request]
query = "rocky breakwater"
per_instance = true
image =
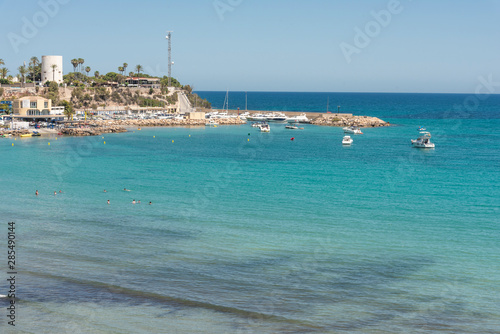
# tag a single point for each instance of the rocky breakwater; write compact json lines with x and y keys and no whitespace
{"x":92,"y":131}
{"x":361,"y":121}
{"x":166,"y":122}
{"x":15,"y":133}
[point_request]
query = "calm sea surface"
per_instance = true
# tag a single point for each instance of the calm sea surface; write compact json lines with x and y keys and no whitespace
{"x":254,"y":233}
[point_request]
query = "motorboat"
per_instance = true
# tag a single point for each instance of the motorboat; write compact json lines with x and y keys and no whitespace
{"x":211,"y":122}
{"x":265,"y":127}
{"x":36,"y":134}
{"x":421,"y":128}
{"x":424,"y":141}
{"x":276,"y":117}
{"x":347,"y":140}
{"x":26,"y":135}
{"x":302,"y":118}
{"x":291,"y":126}
{"x":257,"y":117}
{"x":353,"y":129}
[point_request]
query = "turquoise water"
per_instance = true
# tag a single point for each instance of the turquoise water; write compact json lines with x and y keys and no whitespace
{"x":261,"y":236}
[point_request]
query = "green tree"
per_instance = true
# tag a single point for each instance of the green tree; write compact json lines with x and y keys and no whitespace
{"x":3,"y":72}
{"x":121,"y":69}
{"x":34,"y":62}
{"x":87,"y":69}
{"x":124,"y":68}
{"x":138,"y":69}
{"x":22,"y":72}
{"x":81,"y":61}
{"x":68,"y":108}
{"x":75,"y":63}
{"x":96,"y":74}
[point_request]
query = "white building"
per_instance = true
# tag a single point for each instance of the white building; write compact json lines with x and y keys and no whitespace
{"x":51,"y":73}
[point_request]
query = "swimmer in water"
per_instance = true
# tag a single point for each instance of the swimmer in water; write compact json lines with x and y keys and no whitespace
{"x":105,"y":190}
{"x":150,"y":203}
{"x":36,"y":193}
{"x":55,"y":193}
{"x":125,"y":189}
{"x":133,"y":202}
{"x":108,"y":201}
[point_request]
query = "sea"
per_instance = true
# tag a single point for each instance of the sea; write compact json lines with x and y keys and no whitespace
{"x":251,"y":232}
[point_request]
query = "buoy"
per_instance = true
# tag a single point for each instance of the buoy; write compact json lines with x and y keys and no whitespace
{"x":172,"y":140}
{"x":248,"y":139}
{"x":15,"y":138}
{"x":102,"y":137}
{"x":12,"y":144}
{"x":56,"y":138}
{"x":49,"y":143}
{"x":292,"y":138}
{"x":154,"y":136}
{"x":104,"y":143}
{"x":189,"y":135}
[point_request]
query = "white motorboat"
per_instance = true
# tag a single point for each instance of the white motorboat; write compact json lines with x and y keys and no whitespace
{"x":211,"y":122}
{"x":353,"y":129}
{"x":264,"y":127}
{"x":291,"y":126}
{"x":424,"y":141}
{"x":302,"y":118}
{"x":276,"y":117}
{"x":347,"y":140}
{"x":256,"y":117}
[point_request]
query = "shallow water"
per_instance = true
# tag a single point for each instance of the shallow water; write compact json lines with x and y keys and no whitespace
{"x":261,"y":236}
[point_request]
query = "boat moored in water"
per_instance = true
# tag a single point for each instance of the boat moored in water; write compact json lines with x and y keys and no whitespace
{"x":424,"y":141}
{"x":353,"y":129}
{"x":347,"y":140}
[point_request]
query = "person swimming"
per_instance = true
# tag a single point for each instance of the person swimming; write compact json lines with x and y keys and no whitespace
{"x":36,"y":193}
{"x":133,"y":201}
{"x":108,"y":201}
{"x":105,"y":191}
{"x":150,"y":203}
{"x":125,"y":189}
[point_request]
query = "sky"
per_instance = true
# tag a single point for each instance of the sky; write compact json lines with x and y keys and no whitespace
{"x":419,"y":46}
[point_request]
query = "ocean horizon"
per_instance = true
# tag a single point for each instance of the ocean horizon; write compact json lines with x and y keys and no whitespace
{"x":251,"y":232}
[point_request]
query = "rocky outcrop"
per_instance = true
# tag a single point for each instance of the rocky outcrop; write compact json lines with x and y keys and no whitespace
{"x":92,"y":131}
{"x":166,"y":122}
{"x":361,"y":121}
{"x":15,"y":133}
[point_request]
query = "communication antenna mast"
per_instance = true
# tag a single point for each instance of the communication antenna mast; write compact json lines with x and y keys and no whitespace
{"x":170,"y":62}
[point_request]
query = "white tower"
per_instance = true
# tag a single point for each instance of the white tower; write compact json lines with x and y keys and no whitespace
{"x":50,"y":72}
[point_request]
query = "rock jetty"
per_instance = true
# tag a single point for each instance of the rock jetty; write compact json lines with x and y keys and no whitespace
{"x":166,"y":122}
{"x":92,"y":131}
{"x":361,"y":121}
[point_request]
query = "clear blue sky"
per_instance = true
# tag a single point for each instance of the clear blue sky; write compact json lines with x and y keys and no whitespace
{"x":269,"y":45}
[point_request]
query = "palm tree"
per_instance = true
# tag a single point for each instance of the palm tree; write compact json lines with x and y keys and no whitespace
{"x":74,"y":62}
{"x":22,"y":71}
{"x":96,"y":74}
{"x":138,"y":68}
{"x":1,"y":62}
{"x":124,"y":68}
{"x":80,"y":62}
{"x":53,"y":66}
{"x":34,"y":62}
{"x":3,"y":72}
{"x":121,"y":69}
{"x":87,"y":69}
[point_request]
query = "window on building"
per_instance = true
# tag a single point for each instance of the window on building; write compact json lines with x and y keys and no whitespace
{"x":46,"y":104}
{"x":33,"y":104}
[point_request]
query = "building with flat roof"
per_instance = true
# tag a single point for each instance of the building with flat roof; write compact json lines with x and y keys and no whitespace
{"x":143,"y":82}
